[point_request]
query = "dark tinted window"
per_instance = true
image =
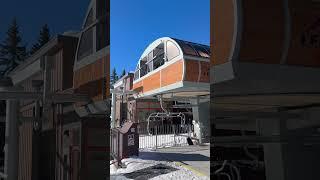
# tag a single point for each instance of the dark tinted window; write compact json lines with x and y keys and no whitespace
{"x":89,"y":19}
{"x":188,"y":49}
{"x":202,"y":51}
{"x":158,"y":54}
{"x":86,"y":44}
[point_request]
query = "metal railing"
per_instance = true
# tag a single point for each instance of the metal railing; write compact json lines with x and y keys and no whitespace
{"x":166,"y":135}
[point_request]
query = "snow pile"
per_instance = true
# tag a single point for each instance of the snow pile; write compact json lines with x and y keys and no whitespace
{"x":132,"y":165}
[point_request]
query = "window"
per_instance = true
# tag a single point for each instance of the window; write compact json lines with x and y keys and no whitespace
{"x":158,"y":50}
{"x":143,"y":68}
{"x":89,"y":19}
{"x":136,"y":73}
{"x":172,"y":50}
{"x":150,"y":66}
{"x":158,"y":56}
{"x":150,"y":56}
{"x":202,"y":51}
{"x":188,"y":49}
{"x":86,"y":44}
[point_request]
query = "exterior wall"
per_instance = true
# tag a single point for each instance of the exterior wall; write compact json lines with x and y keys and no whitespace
{"x":197,"y":71}
{"x":25,"y":150}
{"x":182,"y":70}
{"x":27,"y":86}
{"x":61,"y":58}
{"x":222,"y":30}
{"x":26,"y":132}
{"x":166,"y":76}
{"x":92,"y":79}
{"x":95,"y":145}
{"x":126,"y":83}
{"x":70,"y":147}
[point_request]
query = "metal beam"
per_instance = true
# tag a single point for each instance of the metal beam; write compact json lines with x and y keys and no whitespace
{"x":235,"y":114}
{"x":56,"y":98}
{"x":16,"y":95}
{"x":245,"y":140}
{"x":69,"y":98}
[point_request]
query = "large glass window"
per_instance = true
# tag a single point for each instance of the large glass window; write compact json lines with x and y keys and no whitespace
{"x":136,"y":73}
{"x":172,"y":50}
{"x":89,"y":19}
{"x":86,"y":44}
{"x":143,"y":68}
{"x":158,"y":56}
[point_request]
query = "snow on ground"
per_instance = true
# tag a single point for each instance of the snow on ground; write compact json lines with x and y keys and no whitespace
{"x":150,"y":142}
{"x":143,"y":161}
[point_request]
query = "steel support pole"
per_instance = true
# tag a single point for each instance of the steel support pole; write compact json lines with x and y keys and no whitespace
{"x":201,"y":116}
{"x":11,"y":140}
{"x":113,"y":111}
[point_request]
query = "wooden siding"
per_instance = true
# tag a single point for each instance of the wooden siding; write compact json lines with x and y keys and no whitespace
{"x":93,"y":79}
{"x":25,"y":149}
{"x":27,"y":86}
{"x":222,"y":16}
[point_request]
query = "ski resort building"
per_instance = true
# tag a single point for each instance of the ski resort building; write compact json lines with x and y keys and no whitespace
{"x":170,"y":85}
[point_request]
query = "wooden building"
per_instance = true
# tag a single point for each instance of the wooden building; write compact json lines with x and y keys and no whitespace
{"x":57,"y":139}
{"x":37,"y":129}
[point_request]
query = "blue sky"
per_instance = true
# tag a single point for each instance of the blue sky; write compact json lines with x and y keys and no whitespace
{"x":137,"y":23}
{"x":60,"y":15}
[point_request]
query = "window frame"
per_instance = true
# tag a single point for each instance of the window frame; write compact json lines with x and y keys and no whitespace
{"x":166,"y":51}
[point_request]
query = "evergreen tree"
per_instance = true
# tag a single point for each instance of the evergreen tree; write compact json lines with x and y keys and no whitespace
{"x":123,"y":73}
{"x":44,"y":37}
{"x":114,"y":76}
{"x":12,"y":52}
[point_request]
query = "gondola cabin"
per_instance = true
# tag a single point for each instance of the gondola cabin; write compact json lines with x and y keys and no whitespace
{"x":173,"y":68}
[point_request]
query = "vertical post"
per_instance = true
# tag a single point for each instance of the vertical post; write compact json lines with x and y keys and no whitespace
{"x":118,"y":149}
{"x":47,"y":66}
{"x":11,"y":146}
{"x":275,"y":160}
{"x":156,"y":137}
{"x":113,"y":112}
{"x":174,"y":134}
{"x":200,"y":111}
